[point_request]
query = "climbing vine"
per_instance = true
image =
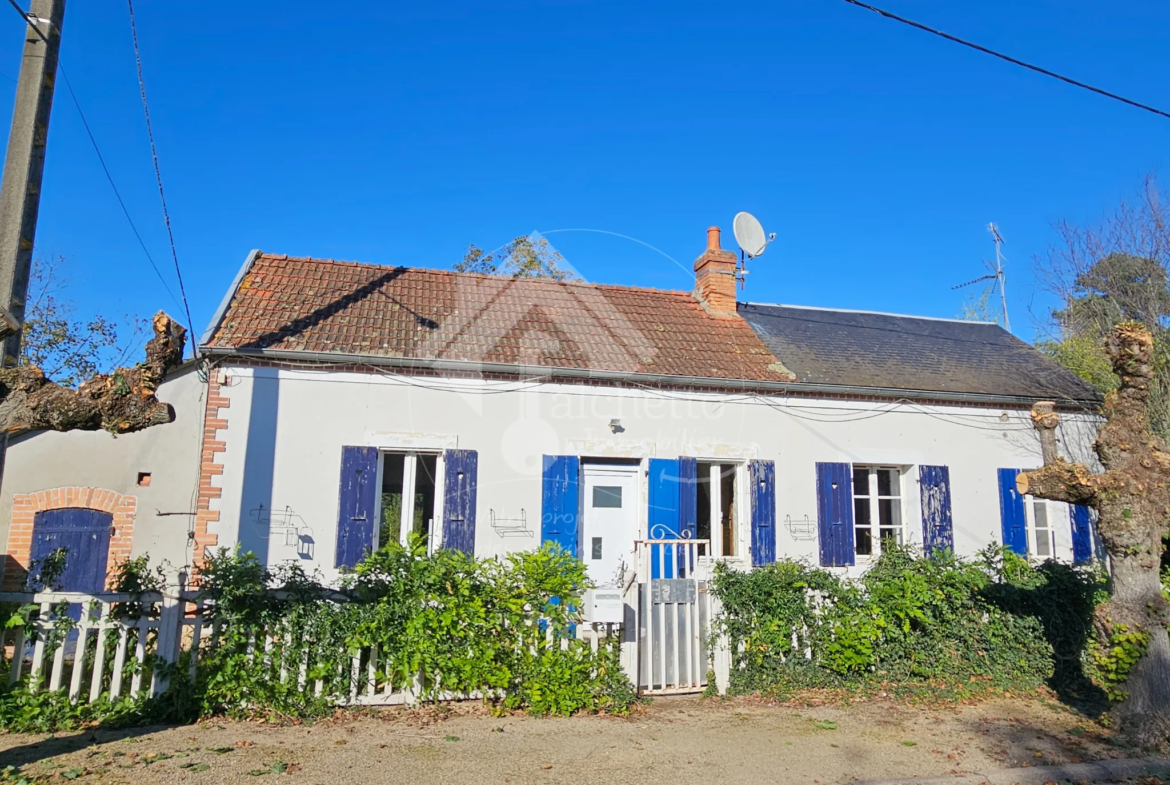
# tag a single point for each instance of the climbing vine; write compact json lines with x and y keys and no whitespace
{"x":283,"y":645}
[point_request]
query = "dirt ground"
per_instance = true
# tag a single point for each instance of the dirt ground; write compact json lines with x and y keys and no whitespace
{"x":673,"y":740}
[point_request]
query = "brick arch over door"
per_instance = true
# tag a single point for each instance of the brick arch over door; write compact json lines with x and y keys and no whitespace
{"x":25,"y":507}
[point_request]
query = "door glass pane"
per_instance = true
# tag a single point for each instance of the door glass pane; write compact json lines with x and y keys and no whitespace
{"x":390,"y":527}
{"x":607,"y":496}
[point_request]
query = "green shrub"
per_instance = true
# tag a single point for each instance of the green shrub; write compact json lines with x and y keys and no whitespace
{"x":995,"y":620}
{"x":442,"y":624}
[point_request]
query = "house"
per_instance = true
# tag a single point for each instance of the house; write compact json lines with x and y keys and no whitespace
{"x":103,"y":496}
{"x":341,"y":405}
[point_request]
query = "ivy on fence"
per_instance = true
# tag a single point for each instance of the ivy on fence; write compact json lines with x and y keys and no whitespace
{"x":441,"y":625}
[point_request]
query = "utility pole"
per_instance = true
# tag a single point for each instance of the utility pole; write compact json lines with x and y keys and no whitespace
{"x":24,"y":167}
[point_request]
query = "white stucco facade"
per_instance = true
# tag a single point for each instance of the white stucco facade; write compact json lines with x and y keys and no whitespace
{"x":286,"y":429}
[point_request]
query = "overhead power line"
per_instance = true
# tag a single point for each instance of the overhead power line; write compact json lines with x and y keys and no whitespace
{"x":158,"y":178}
{"x":98,"y":152}
{"x":1009,"y":58}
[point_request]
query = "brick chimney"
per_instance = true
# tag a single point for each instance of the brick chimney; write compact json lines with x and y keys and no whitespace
{"x":715,"y":278}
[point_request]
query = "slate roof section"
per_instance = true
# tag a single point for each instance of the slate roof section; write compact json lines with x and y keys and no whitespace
{"x":860,"y":349}
{"x":318,"y":305}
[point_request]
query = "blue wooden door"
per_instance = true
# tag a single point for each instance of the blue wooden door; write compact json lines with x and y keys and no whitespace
{"x":762,"y":475}
{"x":938,"y":532}
{"x":357,"y":504}
{"x":1012,"y":517}
{"x":85,"y":536}
{"x":835,"y":514}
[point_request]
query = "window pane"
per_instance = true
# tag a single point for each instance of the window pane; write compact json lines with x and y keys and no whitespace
{"x":860,"y":481}
{"x":863,"y":541}
{"x":390,"y":527}
{"x":607,"y":496}
{"x":888,"y":482}
{"x":890,"y":537}
{"x":1043,"y":543}
{"x":890,"y":512}
{"x":861,"y":512}
{"x":1040,"y":514}
{"x":596,"y":549}
{"x":424,"y":495}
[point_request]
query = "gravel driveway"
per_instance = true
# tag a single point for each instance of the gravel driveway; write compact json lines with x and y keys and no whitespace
{"x":673,"y":741}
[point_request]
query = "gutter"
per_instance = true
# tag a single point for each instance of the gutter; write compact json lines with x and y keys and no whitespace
{"x":634,"y":377}
{"x":217,"y":317}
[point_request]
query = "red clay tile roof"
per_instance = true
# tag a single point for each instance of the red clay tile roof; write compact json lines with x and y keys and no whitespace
{"x":326,"y":306}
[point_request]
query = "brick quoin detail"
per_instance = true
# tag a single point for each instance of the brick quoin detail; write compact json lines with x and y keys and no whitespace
{"x":213,"y":445}
{"x":25,"y":507}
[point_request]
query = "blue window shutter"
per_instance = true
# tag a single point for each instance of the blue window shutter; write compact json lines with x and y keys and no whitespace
{"x":938,"y":533}
{"x":357,"y":505}
{"x":1082,"y":534}
{"x":85,"y":536}
{"x":664,"y":499}
{"x":688,"y":497}
{"x":460,"y":469}
{"x":688,"y":507}
{"x":665,"y":522}
{"x":762,"y":475}
{"x":560,"y":501}
{"x":1011,"y":512}
{"x":835,"y":513}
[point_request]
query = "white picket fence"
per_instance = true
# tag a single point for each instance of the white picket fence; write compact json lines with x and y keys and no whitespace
{"x":673,"y":611}
{"x":105,"y":653}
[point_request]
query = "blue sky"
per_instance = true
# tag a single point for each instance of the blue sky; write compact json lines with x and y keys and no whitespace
{"x":398,"y":133}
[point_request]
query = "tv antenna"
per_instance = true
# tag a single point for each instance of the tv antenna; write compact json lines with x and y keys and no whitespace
{"x":997,"y":274}
{"x":752,"y":241}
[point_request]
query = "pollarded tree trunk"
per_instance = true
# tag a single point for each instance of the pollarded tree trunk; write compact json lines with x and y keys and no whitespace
{"x":1133,"y":506}
{"x":119,"y":402}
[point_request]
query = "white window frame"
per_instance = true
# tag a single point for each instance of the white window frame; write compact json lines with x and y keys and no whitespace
{"x":1030,"y":504}
{"x":409,"y":475}
{"x":741,"y":525}
{"x":873,"y":497}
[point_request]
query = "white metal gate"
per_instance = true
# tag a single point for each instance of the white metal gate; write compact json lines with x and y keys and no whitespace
{"x":673,"y":609}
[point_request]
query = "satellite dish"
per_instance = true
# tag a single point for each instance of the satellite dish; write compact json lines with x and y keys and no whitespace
{"x":749,"y":234}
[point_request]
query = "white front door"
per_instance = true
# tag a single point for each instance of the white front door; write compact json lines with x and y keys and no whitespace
{"x":610,"y":521}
